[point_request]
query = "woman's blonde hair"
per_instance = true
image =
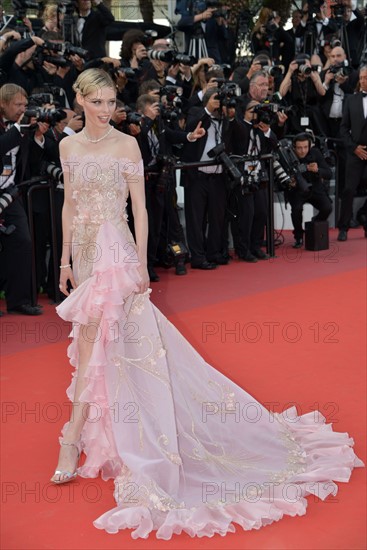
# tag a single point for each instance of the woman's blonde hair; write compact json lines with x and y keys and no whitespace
{"x":49,"y":12}
{"x":92,"y":80}
{"x":263,"y":18}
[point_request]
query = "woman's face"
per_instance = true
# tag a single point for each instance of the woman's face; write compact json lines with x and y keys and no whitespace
{"x":99,"y":106}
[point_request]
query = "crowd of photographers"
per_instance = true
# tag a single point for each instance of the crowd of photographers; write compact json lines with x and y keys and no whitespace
{"x":303,"y":93}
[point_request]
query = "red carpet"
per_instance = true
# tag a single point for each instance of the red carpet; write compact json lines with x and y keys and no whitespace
{"x":290,"y":331}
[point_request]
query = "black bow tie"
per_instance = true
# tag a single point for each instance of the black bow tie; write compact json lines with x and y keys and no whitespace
{"x":364,"y":94}
{"x":8,"y":123}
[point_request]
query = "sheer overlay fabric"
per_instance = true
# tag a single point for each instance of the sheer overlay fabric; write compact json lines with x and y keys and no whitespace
{"x":188,"y":449}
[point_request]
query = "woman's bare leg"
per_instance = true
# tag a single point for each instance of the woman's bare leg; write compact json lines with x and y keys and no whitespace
{"x":68,"y":456}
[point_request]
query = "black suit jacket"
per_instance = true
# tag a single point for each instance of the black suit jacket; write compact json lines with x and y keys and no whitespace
{"x":353,"y":122}
{"x":238,"y":138}
{"x":8,"y":140}
{"x":193,"y":151}
{"x":94,"y":30}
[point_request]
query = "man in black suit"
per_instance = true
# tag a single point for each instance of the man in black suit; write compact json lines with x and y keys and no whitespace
{"x":205,"y":187}
{"x":15,"y":240}
{"x":353,"y":131}
{"x":155,"y":139}
{"x":91,"y":26}
{"x":249,"y":136}
{"x":314,"y":29}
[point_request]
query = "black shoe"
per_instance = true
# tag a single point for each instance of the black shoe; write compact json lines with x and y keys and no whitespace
{"x":365,"y":232}
{"x":298,"y":243}
{"x":26,"y":309}
{"x":180,"y":269}
{"x":343,"y":235}
{"x":260,"y":254}
{"x":250,"y":258}
{"x":219,"y":260}
{"x":204,"y":265}
{"x":154,"y":278}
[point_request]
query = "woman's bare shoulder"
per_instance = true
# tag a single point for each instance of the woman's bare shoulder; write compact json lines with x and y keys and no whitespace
{"x":67,"y":144}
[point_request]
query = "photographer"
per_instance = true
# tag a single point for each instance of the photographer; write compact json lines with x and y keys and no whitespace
{"x":205,"y":187}
{"x":315,"y":171}
{"x":45,"y":161}
{"x":355,"y":28}
{"x":315,"y":26}
{"x":17,"y":63}
{"x":155,"y":139}
{"x":259,"y":91}
{"x":339,"y":81}
{"x":91,"y":26}
{"x":251,"y":135}
{"x":302,"y":88}
{"x":269,"y":36}
{"x":205,"y":25}
{"x":15,"y":239}
{"x":62,"y":65}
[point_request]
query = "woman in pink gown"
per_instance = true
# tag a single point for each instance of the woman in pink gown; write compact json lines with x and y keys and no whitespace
{"x":188,"y":449}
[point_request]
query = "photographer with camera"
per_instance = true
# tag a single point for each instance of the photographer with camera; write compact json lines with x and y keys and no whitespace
{"x":15,"y":239}
{"x":45,"y":162}
{"x":316,"y":172}
{"x":250,"y":135}
{"x":205,"y":186}
{"x":353,"y":30}
{"x":339,"y":81}
{"x":17,"y":62}
{"x":302,"y":88}
{"x":204,"y":23}
{"x":155,"y":138}
{"x":315,"y":26}
{"x":259,"y":91}
{"x":353,"y":131}
{"x":269,"y":36}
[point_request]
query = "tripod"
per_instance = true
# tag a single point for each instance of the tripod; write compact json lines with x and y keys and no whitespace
{"x":197,"y":46}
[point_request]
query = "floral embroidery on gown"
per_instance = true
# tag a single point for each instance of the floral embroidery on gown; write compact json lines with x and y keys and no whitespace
{"x":189,"y":450}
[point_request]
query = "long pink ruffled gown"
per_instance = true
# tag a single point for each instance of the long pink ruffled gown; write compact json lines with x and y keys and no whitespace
{"x":188,"y":449}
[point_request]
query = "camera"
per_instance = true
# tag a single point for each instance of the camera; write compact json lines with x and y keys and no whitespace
{"x":66,"y":49}
{"x":40,"y":99}
{"x":341,"y":69}
{"x":133,"y":117}
{"x":172,"y":56}
{"x":288,"y":170}
{"x":149,"y":37}
{"x":171,"y":109}
{"x":53,"y":171}
{"x":302,"y":68}
{"x":314,"y":6}
{"x":273,"y":70}
{"x":201,"y":5}
{"x":218,"y":153}
{"x":50,"y":116}
{"x":271,"y":26}
{"x":266,"y":112}
{"x":7,"y":196}
{"x":228,"y":92}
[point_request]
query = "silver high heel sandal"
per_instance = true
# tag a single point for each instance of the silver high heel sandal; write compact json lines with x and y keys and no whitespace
{"x":67,"y":476}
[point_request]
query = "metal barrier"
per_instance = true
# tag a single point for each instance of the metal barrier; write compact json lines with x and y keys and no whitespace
{"x":34,"y":186}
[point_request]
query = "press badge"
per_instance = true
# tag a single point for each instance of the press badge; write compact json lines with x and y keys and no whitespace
{"x":7,"y":166}
{"x":305,"y":121}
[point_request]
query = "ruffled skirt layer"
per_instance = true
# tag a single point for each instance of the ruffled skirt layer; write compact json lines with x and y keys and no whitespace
{"x":188,"y":449}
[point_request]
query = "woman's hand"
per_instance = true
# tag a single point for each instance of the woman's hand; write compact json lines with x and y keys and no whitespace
{"x":145,"y":281}
{"x":66,"y":274}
